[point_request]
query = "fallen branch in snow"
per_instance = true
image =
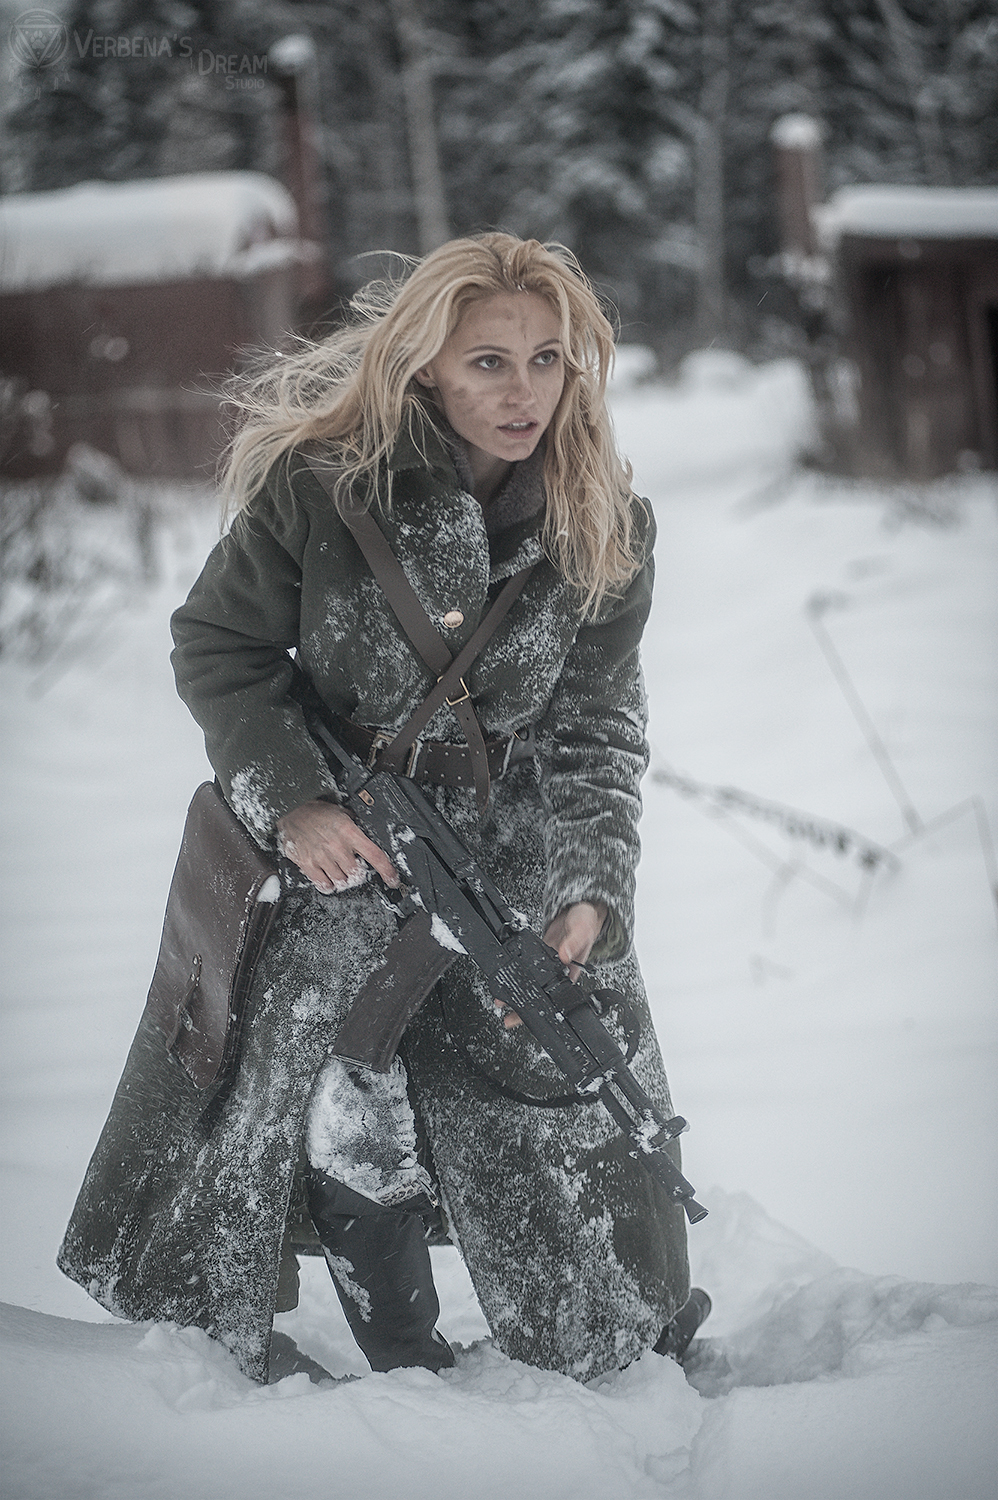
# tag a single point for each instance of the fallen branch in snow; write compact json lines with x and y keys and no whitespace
{"x":721,"y":803}
{"x":835,"y":838}
{"x":815,"y":609}
{"x":974,"y":805}
{"x":917,"y":827}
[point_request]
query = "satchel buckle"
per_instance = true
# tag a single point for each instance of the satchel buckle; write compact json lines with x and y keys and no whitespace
{"x":453,"y":702}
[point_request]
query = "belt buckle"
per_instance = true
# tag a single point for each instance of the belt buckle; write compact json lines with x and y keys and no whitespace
{"x":412,"y":759}
{"x":382,"y":739}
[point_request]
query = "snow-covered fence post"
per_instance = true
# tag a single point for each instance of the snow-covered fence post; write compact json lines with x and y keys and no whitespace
{"x":796,"y":141}
{"x":424,"y":151}
{"x":295,"y":65}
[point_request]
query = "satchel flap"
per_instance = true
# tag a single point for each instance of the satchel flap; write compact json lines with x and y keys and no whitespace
{"x":213,"y":915}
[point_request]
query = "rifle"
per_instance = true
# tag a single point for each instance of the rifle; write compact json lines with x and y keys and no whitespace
{"x":448,"y":906}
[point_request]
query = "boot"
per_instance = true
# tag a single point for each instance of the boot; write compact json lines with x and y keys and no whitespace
{"x":676,"y":1337}
{"x":380,"y":1265}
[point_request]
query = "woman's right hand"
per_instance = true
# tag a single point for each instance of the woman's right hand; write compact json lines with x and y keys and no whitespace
{"x":328,"y":847}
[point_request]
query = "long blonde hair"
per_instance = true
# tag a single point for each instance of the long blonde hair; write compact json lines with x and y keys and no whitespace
{"x":356,"y":392}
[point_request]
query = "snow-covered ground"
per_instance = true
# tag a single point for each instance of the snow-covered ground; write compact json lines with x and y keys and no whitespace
{"x":830,"y":1033}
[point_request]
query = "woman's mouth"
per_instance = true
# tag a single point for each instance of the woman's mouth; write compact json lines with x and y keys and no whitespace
{"x":518,"y":429}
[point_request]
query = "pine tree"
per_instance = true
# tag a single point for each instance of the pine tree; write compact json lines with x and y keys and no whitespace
{"x":910,"y":91}
{"x":115,"y":118}
{"x":556,"y":129}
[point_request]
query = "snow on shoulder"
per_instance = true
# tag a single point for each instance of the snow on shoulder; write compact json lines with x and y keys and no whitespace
{"x":875,"y":210}
{"x":126,"y":233}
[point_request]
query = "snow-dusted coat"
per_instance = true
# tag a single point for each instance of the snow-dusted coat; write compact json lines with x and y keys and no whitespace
{"x":577,"y":1257}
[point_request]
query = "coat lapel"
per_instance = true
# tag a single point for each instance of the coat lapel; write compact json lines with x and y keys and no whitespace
{"x":452,"y":552}
{"x":435,"y":529}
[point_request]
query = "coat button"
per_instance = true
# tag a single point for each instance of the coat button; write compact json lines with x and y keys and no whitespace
{"x":453,"y":618}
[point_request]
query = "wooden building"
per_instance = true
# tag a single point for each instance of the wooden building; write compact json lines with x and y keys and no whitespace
{"x":914,"y":279}
{"x":123,"y":304}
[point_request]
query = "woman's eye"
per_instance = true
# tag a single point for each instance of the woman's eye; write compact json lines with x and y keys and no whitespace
{"x":547,"y":357}
{"x":489,"y":362}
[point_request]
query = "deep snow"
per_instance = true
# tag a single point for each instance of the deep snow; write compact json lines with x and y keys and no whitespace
{"x":830,"y":1036}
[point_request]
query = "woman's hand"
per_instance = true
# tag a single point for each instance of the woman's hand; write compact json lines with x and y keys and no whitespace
{"x":574,"y":931}
{"x":572,"y":934}
{"x":328,"y":847}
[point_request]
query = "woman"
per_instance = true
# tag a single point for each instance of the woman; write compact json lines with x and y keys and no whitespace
{"x":465,"y":409}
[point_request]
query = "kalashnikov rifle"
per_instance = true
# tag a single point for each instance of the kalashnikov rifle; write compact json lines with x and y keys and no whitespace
{"x":449,"y":906}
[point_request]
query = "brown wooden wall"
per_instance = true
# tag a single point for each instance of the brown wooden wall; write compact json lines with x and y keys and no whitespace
{"x":922,"y":331}
{"x":134,"y":370}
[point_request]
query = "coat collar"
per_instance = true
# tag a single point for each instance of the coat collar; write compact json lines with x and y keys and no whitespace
{"x":512,"y":520}
{"x":420,"y":447}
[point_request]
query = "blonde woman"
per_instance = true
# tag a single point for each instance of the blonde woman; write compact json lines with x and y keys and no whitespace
{"x":465,"y":409}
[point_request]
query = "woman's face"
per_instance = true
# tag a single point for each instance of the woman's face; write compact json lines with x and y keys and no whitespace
{"x":499,"y":376}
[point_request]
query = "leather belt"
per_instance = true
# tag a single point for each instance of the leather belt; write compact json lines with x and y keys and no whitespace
{"x":436,"y":760}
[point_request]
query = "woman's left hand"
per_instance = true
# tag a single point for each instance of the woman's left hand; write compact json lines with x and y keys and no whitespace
{"x":572,"y":934}
{"x":574,"y":931}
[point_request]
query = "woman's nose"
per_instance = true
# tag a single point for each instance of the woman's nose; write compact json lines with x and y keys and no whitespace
{"x":519,"y":387}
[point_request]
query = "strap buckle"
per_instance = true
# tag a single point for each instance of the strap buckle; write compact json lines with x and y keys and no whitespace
{"x":382,"y":739}
{"x":453,"y":702}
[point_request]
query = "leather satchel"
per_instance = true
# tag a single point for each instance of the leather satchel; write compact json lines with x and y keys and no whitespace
{"x":222,"y":903}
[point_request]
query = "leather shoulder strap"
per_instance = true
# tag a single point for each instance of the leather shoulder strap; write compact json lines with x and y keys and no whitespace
{"x":450,"y":688}
{"x":398,"y":590}
{"x":427,"y":640}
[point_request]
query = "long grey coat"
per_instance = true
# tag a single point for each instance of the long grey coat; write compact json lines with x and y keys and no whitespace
{"x":577,"y":1257}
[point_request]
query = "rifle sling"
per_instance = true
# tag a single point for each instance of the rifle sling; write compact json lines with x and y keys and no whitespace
{"x":632,"y":1032}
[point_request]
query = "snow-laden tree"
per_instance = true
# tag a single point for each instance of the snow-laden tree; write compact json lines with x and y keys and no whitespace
{"x":637,"y":131}
{"x":163,"y":103}
{"x":910,"y":91}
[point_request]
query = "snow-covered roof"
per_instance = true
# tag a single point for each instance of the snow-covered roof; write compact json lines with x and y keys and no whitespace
{"x":123,"y":233}
{"x":877,"y":210}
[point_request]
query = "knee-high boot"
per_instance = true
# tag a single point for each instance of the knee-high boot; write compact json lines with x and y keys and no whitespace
{"x":380,"y":1265}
